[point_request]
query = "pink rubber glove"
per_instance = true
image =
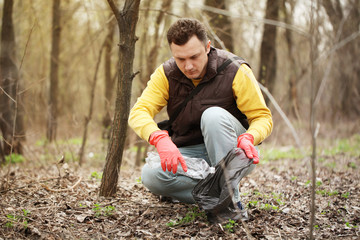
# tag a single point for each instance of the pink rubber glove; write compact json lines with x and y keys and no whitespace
{"x":169,"y":154}
{"x":246,"y":142}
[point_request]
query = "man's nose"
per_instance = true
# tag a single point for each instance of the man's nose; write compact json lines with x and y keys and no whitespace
{"x":188,"y":65}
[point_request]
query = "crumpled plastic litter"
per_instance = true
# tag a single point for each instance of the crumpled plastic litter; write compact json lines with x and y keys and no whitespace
{"x":198,"y":168}
{"x":214,"y":194}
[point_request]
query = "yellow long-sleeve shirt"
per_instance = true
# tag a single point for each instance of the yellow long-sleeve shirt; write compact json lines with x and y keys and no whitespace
{"x":156,"y":95}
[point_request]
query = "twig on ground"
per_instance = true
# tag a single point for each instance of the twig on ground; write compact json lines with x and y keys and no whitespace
{"x":247,"y":231}
{"x":108,"y":204}
{"x":61,"y":190}
{"x":279,"y":234}
{"x":221,"y":227}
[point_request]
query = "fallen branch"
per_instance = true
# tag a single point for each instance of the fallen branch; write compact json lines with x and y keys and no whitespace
{"x":61,"y":190}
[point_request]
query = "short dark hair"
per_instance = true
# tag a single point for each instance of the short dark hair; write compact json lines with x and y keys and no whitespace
{"x":183,"y":29}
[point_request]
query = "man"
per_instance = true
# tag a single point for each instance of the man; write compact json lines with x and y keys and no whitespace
{"x":228,"y":112}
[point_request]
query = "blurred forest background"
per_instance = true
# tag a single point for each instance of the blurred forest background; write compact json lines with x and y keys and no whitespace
{"x":59,"y":63}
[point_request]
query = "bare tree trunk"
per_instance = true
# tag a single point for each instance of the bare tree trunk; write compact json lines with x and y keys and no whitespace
{"x":154,"y":52}
{"x":268,"y":61}
{"x":109,"y":79}
{"x":314,"y":42}
{"x":139,"y":150}
{"x":143,"y":76}
{"x":293,"y":97}
{"x":150,"y":66}
{"x":54,"y":72}
{"x":346,"y":19}
{"x":89,"y":116}
{"x":221,"y":25}
{"x":127,"y":20}
{"x":9,"y":84}
{"x":2,"y":155}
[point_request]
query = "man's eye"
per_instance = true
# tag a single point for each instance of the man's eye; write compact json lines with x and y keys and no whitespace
{"x":194,"y":57}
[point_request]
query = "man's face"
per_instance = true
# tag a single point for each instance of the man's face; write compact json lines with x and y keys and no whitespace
{"x":191,"y":58}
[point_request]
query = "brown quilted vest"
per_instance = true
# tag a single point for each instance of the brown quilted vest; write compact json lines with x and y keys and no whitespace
{"x":217,"y":92}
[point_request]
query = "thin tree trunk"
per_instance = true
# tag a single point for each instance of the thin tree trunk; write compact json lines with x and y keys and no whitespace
{"x":221,"y":25}
{"x":314,"y":41}
{"x":127,"y":20}
{"x":89,"y":116}
{"x":143,"y":76}
{"x":109,"y":79}
{"x":9,"y":83}
{"x":150,"y":66}
{"x":346,"y":18}
{"x":139,"y":150}
{"x":54,"y":72}
{"x":154,"y":52}
{"x":268,"y":61}
{"x":2,"y":155}
{"x":294,"y":106}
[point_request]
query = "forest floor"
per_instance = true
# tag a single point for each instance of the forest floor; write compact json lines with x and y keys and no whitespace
{"x":61,"y":201}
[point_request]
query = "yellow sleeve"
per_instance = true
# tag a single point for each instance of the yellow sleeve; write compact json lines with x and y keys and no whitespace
{"x":250,"y":101}
{"x":152,"y":100}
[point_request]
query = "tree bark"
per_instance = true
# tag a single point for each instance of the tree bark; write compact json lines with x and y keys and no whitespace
{"x":9,"y":82}
{"x":268,"y":59}
{"x":221,"y":25}
{"x":54,"y":72}
{"x":127,"y":20}
{"x":109,"y":79}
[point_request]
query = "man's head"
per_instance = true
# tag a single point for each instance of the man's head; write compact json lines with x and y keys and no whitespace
{"x":189,"y":46}
{"x":183,"y":29}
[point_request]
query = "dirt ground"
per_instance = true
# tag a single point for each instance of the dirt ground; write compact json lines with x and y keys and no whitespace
{"x":59,"y":201}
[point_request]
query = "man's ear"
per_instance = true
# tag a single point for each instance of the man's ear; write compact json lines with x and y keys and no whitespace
{"x":208,"y":47}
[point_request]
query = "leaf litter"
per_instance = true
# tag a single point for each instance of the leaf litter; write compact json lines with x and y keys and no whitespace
{"x":63,"y":203}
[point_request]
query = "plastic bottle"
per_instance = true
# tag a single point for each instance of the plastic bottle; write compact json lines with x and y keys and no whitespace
{"x":198,"y":168}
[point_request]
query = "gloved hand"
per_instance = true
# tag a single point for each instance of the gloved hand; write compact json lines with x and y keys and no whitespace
{"x":246,"y":142}
{"x":169,"y":154}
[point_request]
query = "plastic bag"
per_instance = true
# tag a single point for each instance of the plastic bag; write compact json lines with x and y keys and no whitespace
{"x":198,"y":168}
{"x":214,"y":194}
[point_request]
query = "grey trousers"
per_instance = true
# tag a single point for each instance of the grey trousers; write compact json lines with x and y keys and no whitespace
{"x":220,"y":130}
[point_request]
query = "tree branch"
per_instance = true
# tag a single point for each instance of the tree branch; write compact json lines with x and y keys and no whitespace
{"x":114,"y":9}
{"x":162,"y":11}
{"x":254,"y":19}
{"x":92,"y":96}
{"x":3,"y":90}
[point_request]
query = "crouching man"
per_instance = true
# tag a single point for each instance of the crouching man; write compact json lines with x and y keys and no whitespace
{"x":229,"y":111}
